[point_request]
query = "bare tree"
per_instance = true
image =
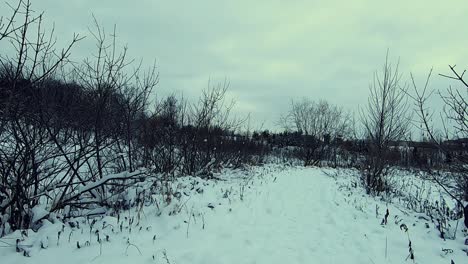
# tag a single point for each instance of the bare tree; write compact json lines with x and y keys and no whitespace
{"x":209,"y":125}
{"x":161,"y":136}
{"x":135,"y":104}
{"x":454,"y":140}
{"x":385,"y":120}
{"x":317,"y":125}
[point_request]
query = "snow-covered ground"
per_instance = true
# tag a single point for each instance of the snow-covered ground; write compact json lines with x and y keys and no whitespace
{"x":267,"y":215}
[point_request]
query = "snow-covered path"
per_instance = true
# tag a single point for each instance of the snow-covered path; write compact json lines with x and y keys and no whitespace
{"x":293,"y":220}
{"x":296,"y":219}
{"x":293,"y":216}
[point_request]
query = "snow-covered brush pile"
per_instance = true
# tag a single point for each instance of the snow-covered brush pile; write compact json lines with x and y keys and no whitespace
{"x":65,"y":198}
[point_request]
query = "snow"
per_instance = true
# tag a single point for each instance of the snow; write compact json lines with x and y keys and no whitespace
{"x":39,"y":212}
{"x":267,"y":215}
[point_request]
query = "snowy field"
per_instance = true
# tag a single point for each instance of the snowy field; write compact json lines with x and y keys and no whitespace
{"x":267,"y":215}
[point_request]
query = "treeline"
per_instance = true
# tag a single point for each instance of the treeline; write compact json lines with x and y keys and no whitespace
{"x":347,"y":153}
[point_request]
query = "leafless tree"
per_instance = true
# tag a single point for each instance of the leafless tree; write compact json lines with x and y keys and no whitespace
{"x":135,"y":104}
{"x":161,"y":136}
{"x":213,"y":109}
{"x":318,"y":124}
{"x":209,"y":122}
{"x":385,"y":120}
{"x":454,"y":140}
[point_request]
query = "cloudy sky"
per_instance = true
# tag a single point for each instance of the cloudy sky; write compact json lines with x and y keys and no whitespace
{"x":274,"y":51}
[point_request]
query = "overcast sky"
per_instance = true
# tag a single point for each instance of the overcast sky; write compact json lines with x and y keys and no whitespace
{"x":274,"y":51}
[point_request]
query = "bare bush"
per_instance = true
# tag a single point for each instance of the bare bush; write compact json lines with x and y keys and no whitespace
{"x":61,"y":140}
{"x":27,"y":158}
